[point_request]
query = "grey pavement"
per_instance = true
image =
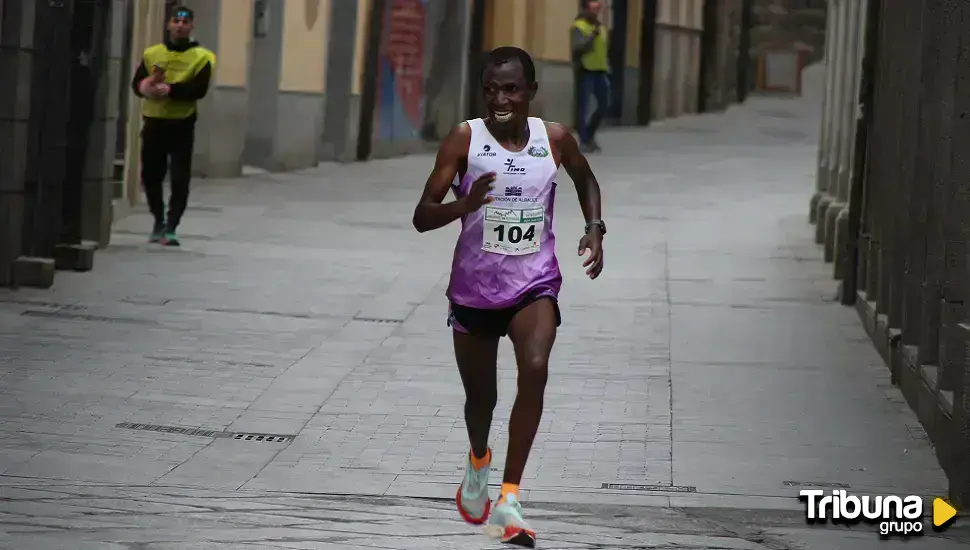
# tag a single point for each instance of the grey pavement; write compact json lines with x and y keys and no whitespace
{"x":286,"y":378}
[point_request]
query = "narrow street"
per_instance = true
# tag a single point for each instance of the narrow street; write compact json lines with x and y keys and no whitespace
{"x":696,"y":386}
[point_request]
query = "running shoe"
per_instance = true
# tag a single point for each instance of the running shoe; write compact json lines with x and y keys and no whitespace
{"x":472,"y":498}
{"x":508,"y":516}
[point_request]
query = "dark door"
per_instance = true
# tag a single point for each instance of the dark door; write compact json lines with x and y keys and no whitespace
{"x":617,"y":55}
{"x":476,"y":47}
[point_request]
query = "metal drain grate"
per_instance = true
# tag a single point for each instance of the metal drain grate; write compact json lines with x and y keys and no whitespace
{"x":378,"y":320}
{"x":826,"y":484}
{"x":267,"y":438}
{"x":170,"y":429}
{"x":199,"y":432}
{"x":651,"y":488}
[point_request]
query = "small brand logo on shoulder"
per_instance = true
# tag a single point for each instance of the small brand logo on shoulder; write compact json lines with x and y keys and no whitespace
{"x":538,"y":152}
{"x":513,"y":191}
{"x":486,"y":151}
{"x":511,"y":168}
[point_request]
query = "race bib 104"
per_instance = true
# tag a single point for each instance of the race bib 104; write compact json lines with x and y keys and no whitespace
{"x":513,"y":231}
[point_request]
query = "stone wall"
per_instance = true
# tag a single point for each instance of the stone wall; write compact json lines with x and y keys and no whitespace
{"x":721,"y":75}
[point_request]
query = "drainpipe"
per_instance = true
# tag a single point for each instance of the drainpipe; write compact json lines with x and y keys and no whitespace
{"x":858,"y":189}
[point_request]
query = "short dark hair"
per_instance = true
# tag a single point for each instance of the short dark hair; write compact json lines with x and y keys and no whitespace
{"x":504,"y":54}
{"x":182,"y":11}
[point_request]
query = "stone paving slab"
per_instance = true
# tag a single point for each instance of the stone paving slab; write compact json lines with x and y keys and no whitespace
{"x":709,"y":357}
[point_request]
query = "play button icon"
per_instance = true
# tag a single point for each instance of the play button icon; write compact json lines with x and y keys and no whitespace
{"x":942,"y":512}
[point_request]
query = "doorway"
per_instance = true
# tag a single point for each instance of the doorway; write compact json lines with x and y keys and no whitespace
{"x":619,"y":15}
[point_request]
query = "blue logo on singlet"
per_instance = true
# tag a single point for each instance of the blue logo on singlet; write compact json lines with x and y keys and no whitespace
{"x":513,"y":191}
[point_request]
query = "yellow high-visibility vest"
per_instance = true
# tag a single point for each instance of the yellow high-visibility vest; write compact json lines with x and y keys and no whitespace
{"x":180,"y":67}
{"x":597,"y":59}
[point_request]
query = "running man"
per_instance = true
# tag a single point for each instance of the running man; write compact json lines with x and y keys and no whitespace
{"x":505,"y":277}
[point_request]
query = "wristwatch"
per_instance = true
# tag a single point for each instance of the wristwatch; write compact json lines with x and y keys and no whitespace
{"x":599,"y":223}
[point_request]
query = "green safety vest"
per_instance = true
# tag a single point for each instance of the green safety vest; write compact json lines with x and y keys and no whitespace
{"x":179,"y":67}
{"x":597,"y":58}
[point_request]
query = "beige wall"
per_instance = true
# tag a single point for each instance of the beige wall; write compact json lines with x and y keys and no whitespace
{"x":235,"y":35}
{"x":148,"y":22}
{"x":549,"y":39}
{"x":633,"y":33}
{"x":306,"y":26}
{"x":506,"y":23}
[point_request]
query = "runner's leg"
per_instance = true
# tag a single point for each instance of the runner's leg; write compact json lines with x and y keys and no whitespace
{"x":533,"y":333}
{"x":476,"y":355}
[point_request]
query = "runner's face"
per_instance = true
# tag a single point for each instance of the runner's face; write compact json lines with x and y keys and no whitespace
{"x":506,"y":92}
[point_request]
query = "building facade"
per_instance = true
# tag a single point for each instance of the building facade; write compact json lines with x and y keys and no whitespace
{"x":891,"y":201}
{"x":300,"y":82}
{"x":786,"y":36}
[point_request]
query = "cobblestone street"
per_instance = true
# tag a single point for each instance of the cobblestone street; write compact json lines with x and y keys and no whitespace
{"x":286,"y":378}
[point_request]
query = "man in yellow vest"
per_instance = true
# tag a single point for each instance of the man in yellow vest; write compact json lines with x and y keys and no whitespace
{"x":172,"y":77}
{"x":590,"y":49}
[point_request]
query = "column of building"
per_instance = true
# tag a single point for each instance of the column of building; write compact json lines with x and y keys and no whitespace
{"x":59,"y":125}
{"x":833,"y":86}
{"x":17,"y":40}
{"x":837,"y":216}
{"x":843,"y":65}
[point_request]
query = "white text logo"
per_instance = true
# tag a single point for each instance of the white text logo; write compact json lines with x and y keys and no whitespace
{"x":895,"y":515}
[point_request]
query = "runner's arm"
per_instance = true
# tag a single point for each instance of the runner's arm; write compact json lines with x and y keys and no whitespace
{"x":573,"y":160}
{"x":430,"y":213}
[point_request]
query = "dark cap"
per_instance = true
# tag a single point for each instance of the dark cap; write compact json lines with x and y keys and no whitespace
{"x":183,"y":12}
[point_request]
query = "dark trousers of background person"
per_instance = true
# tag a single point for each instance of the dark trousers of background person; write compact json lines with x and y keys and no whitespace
{"x":165,"y":140}
{"x":597,"y":85}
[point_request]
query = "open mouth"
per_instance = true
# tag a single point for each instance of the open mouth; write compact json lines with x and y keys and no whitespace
{"x":502,"y":116}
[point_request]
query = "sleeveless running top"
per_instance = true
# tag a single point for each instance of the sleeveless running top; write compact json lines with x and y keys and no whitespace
{"x":506,"y":249}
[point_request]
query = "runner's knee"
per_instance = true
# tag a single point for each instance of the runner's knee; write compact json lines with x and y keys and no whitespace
{"x":533,"y":372}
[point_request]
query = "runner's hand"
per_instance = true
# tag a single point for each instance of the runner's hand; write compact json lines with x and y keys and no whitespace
{"x":478,"y":194}
{"x":592,"y":241}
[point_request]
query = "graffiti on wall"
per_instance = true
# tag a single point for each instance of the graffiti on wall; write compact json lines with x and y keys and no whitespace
{"x":400,"y":101}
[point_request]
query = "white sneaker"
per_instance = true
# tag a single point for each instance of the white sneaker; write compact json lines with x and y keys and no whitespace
{"x":472,"y":498}
{"x":508,"y":518}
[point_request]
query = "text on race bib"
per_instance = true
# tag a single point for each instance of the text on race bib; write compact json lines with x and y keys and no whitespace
{"x":513,"y":231}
